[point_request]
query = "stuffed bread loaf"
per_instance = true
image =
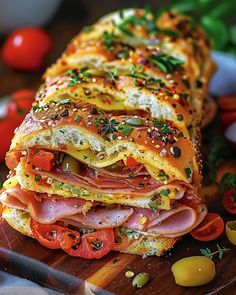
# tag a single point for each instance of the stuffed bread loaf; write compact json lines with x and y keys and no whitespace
{"x":108,"y":158}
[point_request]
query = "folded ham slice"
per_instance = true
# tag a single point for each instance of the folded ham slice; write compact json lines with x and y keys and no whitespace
{"x":43,"y":211}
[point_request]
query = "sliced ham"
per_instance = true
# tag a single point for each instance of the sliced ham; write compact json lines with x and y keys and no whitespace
{"x":45,"y":210}
{"x":103,"y":218}
{"x":140,"y":218}
{"x":176,"y":222}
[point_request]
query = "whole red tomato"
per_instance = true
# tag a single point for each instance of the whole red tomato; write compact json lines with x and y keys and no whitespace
{"x":25,"y":48}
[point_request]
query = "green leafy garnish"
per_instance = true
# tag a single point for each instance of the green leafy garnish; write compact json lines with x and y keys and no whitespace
{"x":166,"y":63}
{"x":188,"y":172}
{"x":164,"y":192}
{"x":87,"y":29}
{"x":35,"y":108}
{"x":227,"y":181}
{"x":131,"y":175}
{"x":220,"y":251}
{"x":78,"y":77}
{"x":126,"y":129}
{"x":112,"y":75}
{"x":108,"y":39}
{"x":108,"y":126}
{"x":164,"y":129}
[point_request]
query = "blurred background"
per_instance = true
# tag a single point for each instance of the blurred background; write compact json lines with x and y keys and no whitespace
{"x":25,"y":53}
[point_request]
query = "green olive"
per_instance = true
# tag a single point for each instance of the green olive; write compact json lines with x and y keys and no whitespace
{"x":70,"y":164}
{"x":140,"y":280}
{"x":193,"y":271}
{"x":230,"y":229}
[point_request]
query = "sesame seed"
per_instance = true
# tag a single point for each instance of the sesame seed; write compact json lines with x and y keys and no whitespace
{"x":74,"y":110}
{"x":89,"y":123}
{"x":163,"y":152}
{"x":171,"y":81}
{"x":119,"y":137}
{"x":145,"y":142}
{"x":129,"y":274}
{"x":176,"y":96}
{"x":143,"y":220}
{"x":168,"y":76}
{"x":153,"y":141}
{"x":94,"y":80}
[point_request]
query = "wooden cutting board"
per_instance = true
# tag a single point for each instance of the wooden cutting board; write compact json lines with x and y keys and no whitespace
{"x":26,"y":258}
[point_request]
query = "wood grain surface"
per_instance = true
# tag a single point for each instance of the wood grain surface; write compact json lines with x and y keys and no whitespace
{"x":25,"y":257}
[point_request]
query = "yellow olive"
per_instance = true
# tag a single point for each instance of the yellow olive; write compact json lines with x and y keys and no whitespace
{"x":70,"y":164}
{"x":230,"y":229}
{"x":193,"y":271}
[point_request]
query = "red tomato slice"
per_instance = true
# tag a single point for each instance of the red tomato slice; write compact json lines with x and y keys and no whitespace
{"x":229,"y":200}
{"x":227,"y":103}
{"x":131,"y":162}
{"x":210,"y":228}
{"x":43,"y":160}
{"x":54,"y":236}
{"x":25,"y":48}
{"x":94,"y":245}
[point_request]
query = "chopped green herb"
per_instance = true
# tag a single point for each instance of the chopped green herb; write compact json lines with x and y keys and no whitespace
{"x":65,"y":113}
{"x":188,"y":172}
{"x":87,"y":29}
{"x":131,"y":175}
{"x":126,"y":129}
{"x":114,"y":136}
{"x":123,"y":54}
{"x":179,"y":117}
{"x":37,"y":178}
{"x":106,"y":138}
{"x":64,"y":101}
{"x":170,"y":33}
{"x":154,"y":204}
{"x":84,"y":72}
{"x":164,"y":192}
{"x":97,"y":120}
{"x":180,"y":134}
{"x":186,"y":83}
{"x":166,"y":63}
{"x":35,"y":108}
{"x":183,"y":95}
{"x":108,"y":39}
{"x":220,"y":251}
{"x":77,"y":119}
{"x":112,"y":75}
{"x":1,"y":185}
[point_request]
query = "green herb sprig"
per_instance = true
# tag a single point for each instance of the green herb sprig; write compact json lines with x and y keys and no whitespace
{"x":220,"y":251}
{"x":166,"y":63}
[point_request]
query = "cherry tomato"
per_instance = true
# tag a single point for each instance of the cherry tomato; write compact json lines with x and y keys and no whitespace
{"x":229,"y":200}
{"x":131,"y":162}
{"x":25,"y":48}
{"x":227,"y":103}
{"x":19,"y":105}
{"x":210,"y":228}
{"x":94,"y":245}
{"x":54,"y":236}
{"x":6,"y":134}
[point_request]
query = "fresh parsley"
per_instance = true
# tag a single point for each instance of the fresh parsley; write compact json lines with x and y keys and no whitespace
{"x":166,"y":63}
{"x":112,"y":75}
{"x":188,"y":172}
{"x":108,"y":39}
{"x":78,"y":77}
{"x":126,"y":129}
{"x":164,"y":129}
{"x":220,"y":251}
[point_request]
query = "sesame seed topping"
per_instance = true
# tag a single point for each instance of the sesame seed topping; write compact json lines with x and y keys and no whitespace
{"x":119,"y":137}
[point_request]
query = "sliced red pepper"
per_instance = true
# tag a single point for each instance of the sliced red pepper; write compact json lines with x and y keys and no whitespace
{"x":130,"y":162}
{"x":43,"y":160}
